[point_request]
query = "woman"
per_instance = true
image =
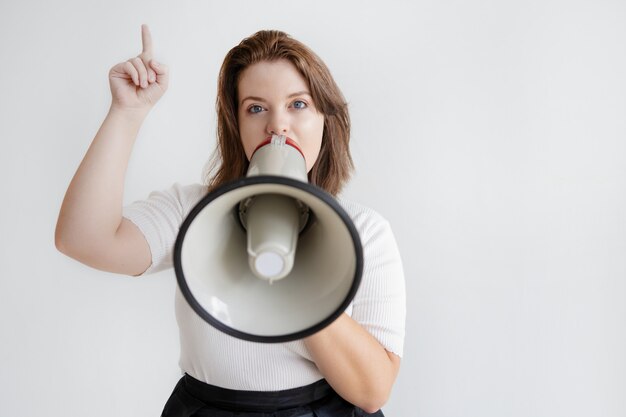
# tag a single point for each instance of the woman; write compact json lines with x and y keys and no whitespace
{"x":268,"y":84}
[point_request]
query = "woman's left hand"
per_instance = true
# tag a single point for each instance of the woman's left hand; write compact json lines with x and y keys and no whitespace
{"x":354,"y":363}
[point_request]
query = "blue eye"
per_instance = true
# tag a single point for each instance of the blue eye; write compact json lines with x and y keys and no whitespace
{"x":299,"y":104}
{"x":255,"y":109}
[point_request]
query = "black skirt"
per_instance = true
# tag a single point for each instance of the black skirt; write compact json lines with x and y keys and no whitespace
{"x":195,"y":398}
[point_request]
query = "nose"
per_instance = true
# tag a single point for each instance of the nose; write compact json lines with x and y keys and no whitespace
{"x":278,"y":123}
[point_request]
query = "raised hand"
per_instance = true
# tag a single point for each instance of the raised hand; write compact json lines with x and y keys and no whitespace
{"x":138,"y":83}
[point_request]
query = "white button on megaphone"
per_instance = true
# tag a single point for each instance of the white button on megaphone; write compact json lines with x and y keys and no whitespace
{"x":269,"y":257}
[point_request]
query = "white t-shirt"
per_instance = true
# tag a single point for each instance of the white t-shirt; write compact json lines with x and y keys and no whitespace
{"x":218,"y":359}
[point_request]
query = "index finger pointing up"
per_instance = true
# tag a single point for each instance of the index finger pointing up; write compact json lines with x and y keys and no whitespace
{"x":146,"y":41}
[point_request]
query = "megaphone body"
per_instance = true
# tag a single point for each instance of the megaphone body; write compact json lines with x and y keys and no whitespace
{"x":269,"y":257}
{"x":273,"y":221}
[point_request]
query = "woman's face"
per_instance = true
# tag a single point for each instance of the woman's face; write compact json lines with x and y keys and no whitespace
{"x":274,"y":98}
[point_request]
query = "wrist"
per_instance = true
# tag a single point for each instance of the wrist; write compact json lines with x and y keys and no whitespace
{"x":131,"y":115}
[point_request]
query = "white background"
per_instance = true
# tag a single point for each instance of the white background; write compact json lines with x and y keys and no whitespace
{"x":490,"y":133}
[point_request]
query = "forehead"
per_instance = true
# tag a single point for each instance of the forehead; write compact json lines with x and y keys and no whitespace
{"x":271,"y":78}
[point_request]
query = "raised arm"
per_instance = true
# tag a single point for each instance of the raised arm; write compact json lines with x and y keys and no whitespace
{"x":90,"y":227}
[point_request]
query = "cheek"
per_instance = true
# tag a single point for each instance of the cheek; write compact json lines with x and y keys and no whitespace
{"x":311,"y":159}
{"x":246,"y":133}
{"x":314,"y":144}
{"x":311,"y":127}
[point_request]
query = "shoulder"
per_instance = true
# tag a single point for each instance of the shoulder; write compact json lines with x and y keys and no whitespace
{"x":365,"y":219}
{"x":159,"y":217}
{"x":186,"y":194}
{"x":169,"y":205}
{"x":179,"y":198}
{"x":375,"y":231}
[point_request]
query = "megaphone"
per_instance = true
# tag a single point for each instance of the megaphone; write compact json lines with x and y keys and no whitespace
{"x":269,"y":258}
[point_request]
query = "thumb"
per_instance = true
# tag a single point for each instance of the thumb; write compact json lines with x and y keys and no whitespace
{"x":162,"y":73}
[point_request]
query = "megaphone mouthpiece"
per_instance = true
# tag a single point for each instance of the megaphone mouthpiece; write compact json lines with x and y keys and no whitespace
{"x":280,"y":156}
{"x":272,"y":222}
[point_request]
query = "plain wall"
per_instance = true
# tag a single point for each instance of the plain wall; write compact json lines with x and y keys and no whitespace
{"x":490,"y":134}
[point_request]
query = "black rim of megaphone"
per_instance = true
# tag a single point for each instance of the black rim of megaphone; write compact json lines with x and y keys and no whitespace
{"x":248,"y":181}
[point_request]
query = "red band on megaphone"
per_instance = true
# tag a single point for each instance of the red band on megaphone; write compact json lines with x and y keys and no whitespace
{"x":289,"y":142}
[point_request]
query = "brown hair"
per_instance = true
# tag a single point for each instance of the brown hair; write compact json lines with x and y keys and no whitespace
{"x":334,"y":163}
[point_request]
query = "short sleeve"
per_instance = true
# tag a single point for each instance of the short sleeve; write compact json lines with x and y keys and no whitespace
{"x":159,"y":218}
{"x":380,"y":302}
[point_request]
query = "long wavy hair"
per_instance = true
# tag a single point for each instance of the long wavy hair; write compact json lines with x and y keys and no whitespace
{"x":334,"y":164}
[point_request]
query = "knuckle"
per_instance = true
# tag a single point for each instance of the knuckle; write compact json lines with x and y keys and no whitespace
{"x":130,"y":69}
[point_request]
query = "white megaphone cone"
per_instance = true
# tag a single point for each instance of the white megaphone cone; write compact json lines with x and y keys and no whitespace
{"x":271,"y":227}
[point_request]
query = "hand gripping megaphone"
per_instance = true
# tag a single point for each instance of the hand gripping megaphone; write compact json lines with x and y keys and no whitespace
{"x":269,"y":257}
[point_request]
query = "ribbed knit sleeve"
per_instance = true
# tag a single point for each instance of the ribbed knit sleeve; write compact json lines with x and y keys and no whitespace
{"x":160,"y":216}
{"x":380,"y":303}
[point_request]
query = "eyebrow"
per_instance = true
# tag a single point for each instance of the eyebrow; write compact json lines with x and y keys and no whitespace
{"x":298,"y":93}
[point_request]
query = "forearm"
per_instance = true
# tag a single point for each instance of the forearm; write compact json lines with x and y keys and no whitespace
{"x":92,"y":207}
{"x":354,"y":363}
